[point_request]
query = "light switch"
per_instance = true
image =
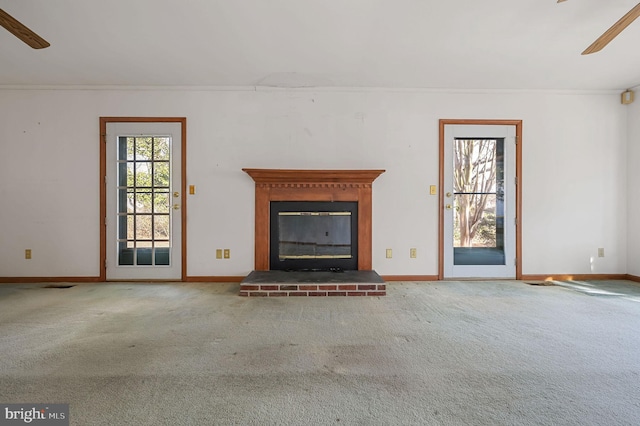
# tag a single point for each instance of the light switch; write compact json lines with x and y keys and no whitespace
{"x":433,"y":190}
{"x":218,"y":253}
{"x":192,"y":189}
{"x":389,"y":253}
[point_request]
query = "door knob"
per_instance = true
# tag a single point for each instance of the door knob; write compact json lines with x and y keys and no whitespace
{"x":176,"y":206}
{"x":176,"y":194}
{"x":448,"y":194}
{"x":448,"y":206}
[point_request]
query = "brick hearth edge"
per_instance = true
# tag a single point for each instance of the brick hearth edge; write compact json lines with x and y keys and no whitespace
{"x":304,"y":289}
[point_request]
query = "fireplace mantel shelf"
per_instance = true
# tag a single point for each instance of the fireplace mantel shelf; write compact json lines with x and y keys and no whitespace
{"x":312,"y":185}
{"x":276,"y":176}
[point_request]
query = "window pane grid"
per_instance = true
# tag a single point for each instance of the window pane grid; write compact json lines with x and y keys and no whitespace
{"x":144,"y":187}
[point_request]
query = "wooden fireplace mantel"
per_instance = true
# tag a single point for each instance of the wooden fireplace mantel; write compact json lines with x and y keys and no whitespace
{"x":313,"y":185}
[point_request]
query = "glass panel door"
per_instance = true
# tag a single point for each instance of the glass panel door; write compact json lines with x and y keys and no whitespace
{"x":144,"y":220}
{"x":479,"y":201}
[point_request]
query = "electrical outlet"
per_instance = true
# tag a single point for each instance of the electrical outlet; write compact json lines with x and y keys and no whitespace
{"x":601,"y":252}
{"x":218,"y":253}
{"x":389,"y":254}
{"x":413,"y":253}
{"x":27,"y":254}
{"x":227,"y":253}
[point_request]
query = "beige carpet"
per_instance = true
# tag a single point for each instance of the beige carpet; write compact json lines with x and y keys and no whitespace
{"x":443,"y":353}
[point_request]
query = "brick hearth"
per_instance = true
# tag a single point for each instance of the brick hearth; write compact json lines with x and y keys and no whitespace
{"x":313,"y":290}
{"x":283,"y":283}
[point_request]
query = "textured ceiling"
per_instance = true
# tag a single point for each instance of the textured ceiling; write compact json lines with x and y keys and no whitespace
{"x":446,"y":44}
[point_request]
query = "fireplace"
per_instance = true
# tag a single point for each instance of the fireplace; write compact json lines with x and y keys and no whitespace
{"x":313,"y":236}
{"x":312,"y":185}
{"x":313,"y":220}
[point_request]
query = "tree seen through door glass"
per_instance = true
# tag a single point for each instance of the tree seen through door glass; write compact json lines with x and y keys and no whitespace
{"x":478,"y":187}
{"x":144,"y":212}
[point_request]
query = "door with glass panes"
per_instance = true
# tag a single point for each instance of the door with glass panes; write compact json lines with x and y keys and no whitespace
{"x":143,"y":197}
{"x":479,"y":201}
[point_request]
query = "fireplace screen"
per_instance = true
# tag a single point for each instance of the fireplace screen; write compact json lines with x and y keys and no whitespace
{"x":313,"y":235}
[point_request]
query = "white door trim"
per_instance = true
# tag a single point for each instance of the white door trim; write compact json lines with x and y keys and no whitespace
{"x":517,"y":196}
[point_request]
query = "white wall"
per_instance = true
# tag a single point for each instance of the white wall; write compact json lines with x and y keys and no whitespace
{"x":574,"y":170}
{"x":633,"y":158}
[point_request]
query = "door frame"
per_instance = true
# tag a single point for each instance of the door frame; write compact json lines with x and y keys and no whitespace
{"x":518,"y":194}
{"x":103,"y":185}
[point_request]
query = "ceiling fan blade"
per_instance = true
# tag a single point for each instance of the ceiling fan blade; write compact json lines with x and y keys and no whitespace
{"x":22,"y":32}
{"x":612,"y":32}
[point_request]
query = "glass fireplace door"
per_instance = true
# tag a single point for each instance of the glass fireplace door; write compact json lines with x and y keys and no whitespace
{"x":314,"y":235}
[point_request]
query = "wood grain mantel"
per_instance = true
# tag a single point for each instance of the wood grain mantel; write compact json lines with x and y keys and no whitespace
{"x":313,"y":185}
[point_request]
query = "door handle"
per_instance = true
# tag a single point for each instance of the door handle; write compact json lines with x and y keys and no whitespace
{"x":448,"y":194}
{"x":449,"y":207}
{"x":176,"y":206}
{"x":176,"y":194}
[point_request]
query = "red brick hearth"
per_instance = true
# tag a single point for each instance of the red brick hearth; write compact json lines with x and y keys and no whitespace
{"x":273,"y":290}
{"x":317,"y":283}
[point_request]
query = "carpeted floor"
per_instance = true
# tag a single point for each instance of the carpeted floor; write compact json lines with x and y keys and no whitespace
{"x":441,"y":353}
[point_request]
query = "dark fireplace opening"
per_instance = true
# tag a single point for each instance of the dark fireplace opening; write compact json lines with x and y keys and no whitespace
{"x":313,"y":235}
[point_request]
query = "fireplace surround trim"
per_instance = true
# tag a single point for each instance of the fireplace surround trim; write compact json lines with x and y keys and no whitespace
{"x":312,"y":185}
